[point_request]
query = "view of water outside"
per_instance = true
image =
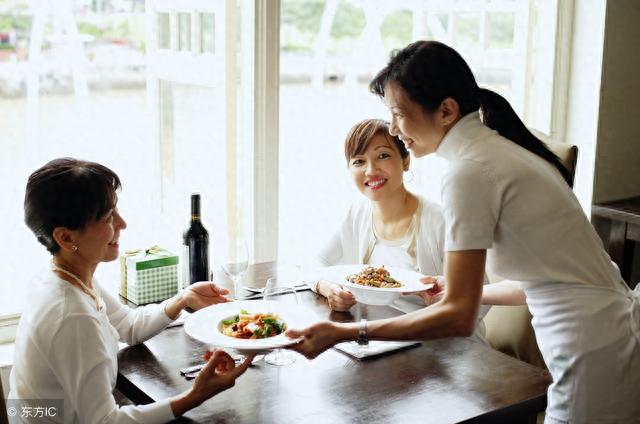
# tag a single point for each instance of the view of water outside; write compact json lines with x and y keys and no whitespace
{"x":111,"y":124}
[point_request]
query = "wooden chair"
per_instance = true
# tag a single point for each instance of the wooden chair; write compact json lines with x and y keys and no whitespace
{"x":4,"y":419}
{"x":508,"y":328}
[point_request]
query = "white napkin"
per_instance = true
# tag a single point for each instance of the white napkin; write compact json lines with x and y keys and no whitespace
{"x":375,"y":347}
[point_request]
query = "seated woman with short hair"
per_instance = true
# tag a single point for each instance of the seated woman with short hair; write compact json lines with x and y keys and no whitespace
{"x":392,"y":227}
{"x":67,"y":340}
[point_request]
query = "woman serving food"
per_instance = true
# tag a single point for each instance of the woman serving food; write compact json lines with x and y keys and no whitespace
{"x":391,"y":226}
{"x":507,"y":201}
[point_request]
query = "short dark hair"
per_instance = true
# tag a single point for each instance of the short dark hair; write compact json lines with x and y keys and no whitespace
{"x":68,"y":193}
{"x":361,"y":134}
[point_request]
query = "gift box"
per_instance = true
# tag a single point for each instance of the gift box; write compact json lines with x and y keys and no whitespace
{"x":148,"y":275}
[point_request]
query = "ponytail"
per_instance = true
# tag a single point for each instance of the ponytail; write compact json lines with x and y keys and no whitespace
{"x":430,"y":71}
{"x":498,"y":115}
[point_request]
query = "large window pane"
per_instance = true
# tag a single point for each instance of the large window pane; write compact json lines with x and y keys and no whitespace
{"x":88,"y":100}
{"x":161,"y":119}
{"x":330,"y":49}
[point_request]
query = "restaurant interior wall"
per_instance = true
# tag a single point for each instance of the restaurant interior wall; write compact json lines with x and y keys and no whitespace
{"x":617,"y":165}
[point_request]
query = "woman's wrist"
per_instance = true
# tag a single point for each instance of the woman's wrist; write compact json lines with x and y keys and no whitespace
{"x":321,"y":288}
{"x":324,"y":288}
{"x":185,"y":402}
{"x":174,"y":306}
{"x":347,"y":332}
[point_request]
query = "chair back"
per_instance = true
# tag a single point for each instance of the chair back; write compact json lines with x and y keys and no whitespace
{"x":4,"y":419}
{"x":567,"y":153}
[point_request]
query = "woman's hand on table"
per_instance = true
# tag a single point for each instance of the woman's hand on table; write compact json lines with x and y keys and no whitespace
{"x":338,"y":298}
{"x":320,"y":337}
{"x":219,"y":374}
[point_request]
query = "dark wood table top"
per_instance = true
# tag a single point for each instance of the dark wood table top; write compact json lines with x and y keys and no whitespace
{"x":442,"y":381}
{"x":627,"y":210}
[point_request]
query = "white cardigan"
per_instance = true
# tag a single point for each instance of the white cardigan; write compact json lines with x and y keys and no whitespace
{"x":351,"y":243}
{"x":67,"y":349}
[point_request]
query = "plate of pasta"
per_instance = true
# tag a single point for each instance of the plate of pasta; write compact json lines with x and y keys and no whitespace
{"x":375,"y":284}
{"x":250,"y":326}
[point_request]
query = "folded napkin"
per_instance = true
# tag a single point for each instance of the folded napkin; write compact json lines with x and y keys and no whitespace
{"x":374,"y":348}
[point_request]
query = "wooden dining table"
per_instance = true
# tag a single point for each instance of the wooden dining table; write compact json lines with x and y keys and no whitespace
{"x":440,"y":381}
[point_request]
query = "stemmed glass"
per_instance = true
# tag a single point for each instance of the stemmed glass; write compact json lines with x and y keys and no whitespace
{"x":277,"y":291}
{"x":234,"y":260}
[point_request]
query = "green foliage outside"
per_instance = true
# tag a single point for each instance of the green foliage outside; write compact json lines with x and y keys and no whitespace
{"x":17,"y":23}
{"x":467,"y":29}
{"x":301,"y":20}
{"x":129,"y":28}
{"x":300,"y":25}
{"x":122,"y":28}
{"x":397,"y":30}
{"x":500,"y":30}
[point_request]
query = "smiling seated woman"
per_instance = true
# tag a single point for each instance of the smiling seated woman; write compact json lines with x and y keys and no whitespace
{"x":392,"y":226}
{"x":67,"y":340}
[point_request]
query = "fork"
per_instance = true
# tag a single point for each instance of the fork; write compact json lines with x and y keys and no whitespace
{"x":261,"y":289}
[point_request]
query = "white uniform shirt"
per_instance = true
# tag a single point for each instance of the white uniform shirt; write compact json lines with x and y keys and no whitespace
{"x":501,"y":197}
{"x":67,"y":349}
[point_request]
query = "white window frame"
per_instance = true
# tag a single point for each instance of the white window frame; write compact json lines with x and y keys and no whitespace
{"x":263,"y":80}
{"x":266,"y":122}
{"x":562,"y":70}
{"x":263,"y":213}
{"x":8,"y":327}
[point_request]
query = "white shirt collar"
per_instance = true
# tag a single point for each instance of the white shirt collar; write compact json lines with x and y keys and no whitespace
{"x":463,"y":130}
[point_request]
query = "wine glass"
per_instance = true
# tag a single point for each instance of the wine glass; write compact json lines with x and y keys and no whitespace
{"x":277,"y":291}
{"x":234,"y":260}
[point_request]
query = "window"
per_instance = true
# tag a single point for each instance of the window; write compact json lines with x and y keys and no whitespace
{"x":185,"y":96}
{"x":75,"y":89}
{"x":331,"y":49}
{"x":160,"y":92}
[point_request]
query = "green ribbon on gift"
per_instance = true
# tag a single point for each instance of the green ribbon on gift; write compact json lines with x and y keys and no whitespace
{"x":159,"y":257}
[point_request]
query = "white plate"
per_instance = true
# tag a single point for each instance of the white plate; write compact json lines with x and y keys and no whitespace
{"x":204,"y":325}
{"x":409,"y":279}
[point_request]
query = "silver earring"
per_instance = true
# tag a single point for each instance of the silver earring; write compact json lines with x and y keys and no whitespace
{"x":74,"y":248}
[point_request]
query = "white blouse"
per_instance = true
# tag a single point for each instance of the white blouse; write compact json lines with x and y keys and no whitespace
{"x":355,"y":243}
{"x":499,"y":196}
{"x":66,"y":349}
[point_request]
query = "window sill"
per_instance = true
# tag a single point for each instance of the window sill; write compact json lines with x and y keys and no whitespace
{"x":8,"y":326}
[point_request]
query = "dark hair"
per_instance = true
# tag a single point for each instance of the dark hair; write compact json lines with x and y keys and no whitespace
{"x":68,"y":193}
{"x":430,"y":71}
{"x":362,"y":133}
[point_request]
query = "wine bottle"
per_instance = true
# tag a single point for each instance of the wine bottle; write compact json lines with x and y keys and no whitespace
{"x":196,"y":246}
